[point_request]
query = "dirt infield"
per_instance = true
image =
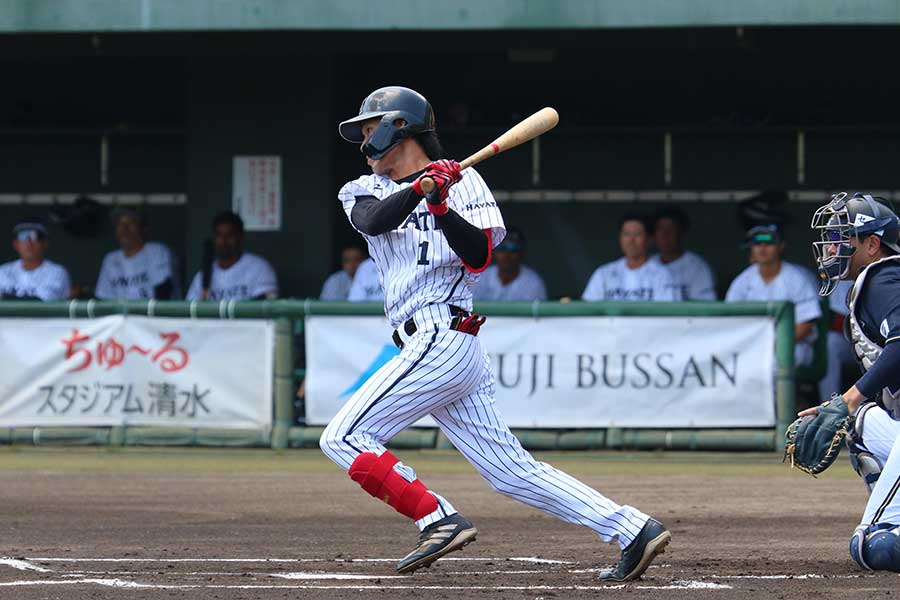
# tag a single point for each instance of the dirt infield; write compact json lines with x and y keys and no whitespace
{"x":151,"y":524}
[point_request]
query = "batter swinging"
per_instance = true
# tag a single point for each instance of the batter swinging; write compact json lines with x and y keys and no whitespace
{"x":429,"y":252}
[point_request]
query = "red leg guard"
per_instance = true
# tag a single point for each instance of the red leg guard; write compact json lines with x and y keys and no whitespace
{"x":377,"y":476}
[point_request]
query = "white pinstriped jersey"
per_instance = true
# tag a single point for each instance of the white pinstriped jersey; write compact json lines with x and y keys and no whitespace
{"x":49,"y":281}
{"x":366,"y":286}
{"x":250,"y":277}
{"x":416,"y":264}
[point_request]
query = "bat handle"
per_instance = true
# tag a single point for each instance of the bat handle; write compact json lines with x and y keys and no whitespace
{"x":427,"y":185}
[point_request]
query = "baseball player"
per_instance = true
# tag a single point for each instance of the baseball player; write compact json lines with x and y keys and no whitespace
{"x":689,"y":270}
{"x":236,"y":275}
{"x":633,"y":277}
{"x":33,"y":277}
{"x":508,"y":279}
{"x":366,"y":286}
{"x":337,"y":286}
{"x":429,"y":252}
{"x":770,"y":278}
{"x":140,"y":269}
{"x":859,"y":242}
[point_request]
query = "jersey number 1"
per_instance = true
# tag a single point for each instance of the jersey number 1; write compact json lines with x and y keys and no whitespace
{"x":423,"y":253}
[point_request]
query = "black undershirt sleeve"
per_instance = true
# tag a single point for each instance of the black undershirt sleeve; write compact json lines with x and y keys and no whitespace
{"x":470,"y":243}
{"x":375,"y":217}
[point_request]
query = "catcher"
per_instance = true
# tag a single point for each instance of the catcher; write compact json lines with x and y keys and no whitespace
{"x":859,"y":241}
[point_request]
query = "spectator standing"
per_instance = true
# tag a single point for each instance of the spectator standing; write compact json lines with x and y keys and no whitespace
{"x":634,"y":277}
{"x":33,"y":277}
{"x":689,"y":270}
{"x":236,"y":275}
{"x":507,"y":279}
{"x":140,"y":268}
{"x":337,"y":286}
{"x":772,"y":279}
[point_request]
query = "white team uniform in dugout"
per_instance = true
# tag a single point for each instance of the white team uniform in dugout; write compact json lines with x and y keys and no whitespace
{"x":793,"y":283}
{"x":135,"y":277}
{"x":614,"y":281}
{"x":50,"y":281}
{"x":692,"y":275}
{"x":366,"y":286}
{"x":250,"y":277}
{"x":528,"y":286}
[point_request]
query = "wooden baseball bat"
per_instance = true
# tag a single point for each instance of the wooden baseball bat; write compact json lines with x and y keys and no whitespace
{"x":539,"y":123}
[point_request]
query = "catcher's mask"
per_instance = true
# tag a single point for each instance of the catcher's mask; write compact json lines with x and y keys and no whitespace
{"x":392,"y":105}
{"x":841,"y":219}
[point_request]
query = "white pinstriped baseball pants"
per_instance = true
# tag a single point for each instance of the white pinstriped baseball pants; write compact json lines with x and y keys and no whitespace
{"x":881,"y":436}
{"x":446,"y":374}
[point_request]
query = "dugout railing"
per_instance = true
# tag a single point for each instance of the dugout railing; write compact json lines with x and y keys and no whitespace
{"x":285,"y":433}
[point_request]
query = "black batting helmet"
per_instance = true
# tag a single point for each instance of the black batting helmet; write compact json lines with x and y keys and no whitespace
{"x":389,"y":104}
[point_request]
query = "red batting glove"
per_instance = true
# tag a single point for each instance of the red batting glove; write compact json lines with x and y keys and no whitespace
{"x":444,"y":173}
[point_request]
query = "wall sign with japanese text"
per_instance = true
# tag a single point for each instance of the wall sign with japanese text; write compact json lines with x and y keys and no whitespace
{"x":256,"y":192}
{"x":134,"y":371}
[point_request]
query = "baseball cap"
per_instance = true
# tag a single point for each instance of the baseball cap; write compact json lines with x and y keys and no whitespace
{"x":763,"y":234}
{"x":30,"y":228}
{"x":513,"y":242}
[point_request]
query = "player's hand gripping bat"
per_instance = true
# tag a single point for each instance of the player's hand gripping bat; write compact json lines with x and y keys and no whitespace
{"x":539,"y":123}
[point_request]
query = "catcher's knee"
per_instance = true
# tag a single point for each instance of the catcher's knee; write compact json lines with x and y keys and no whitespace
{"x":876,"y":547}
{"x":376,"y":475}
{"x":864,"y":462}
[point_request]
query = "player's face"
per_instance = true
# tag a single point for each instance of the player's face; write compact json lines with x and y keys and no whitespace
{"x":31,"y":249}
{"x":507,"y":261}
{"x":386,"y":164}
{"x":129,"y":232}
{"x":766,"y":253}
{"x":633,"y":240}
{"x":351,"y":258}
{"x":228,"y":241}
{"x":668,"y":236}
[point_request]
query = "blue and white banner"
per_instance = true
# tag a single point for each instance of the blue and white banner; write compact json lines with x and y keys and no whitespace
{"x":122,"y":370}
{"x":580,"y":372}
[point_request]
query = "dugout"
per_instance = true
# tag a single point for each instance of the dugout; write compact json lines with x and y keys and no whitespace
{"x":695,"y":103}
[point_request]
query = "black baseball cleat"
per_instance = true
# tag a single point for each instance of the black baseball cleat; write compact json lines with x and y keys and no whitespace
{"x":652,"y":540}
{"x":440,"y":538}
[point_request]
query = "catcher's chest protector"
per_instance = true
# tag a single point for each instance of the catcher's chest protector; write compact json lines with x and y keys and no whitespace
{"x":867,"y":351}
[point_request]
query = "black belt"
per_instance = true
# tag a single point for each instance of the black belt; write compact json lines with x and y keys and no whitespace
{"x":409,"y":327}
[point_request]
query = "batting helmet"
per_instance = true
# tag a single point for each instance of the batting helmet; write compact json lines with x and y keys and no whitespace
{"x":843,"y":218}
{"x":389,"y":104}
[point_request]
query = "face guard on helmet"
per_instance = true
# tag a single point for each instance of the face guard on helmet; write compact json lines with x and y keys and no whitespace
{"x":391,"y":105}
{"x":841,"y":219}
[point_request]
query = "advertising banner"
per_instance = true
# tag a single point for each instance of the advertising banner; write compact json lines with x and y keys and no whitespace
{"x":134,"y":371}
{"x":580,"y":372}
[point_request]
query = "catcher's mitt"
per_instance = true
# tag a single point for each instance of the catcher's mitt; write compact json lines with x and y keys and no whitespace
{"x":814,"y":441}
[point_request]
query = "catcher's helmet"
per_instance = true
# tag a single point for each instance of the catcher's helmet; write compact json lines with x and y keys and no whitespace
{"x":389,"y":104}
{"x":843,"y":218}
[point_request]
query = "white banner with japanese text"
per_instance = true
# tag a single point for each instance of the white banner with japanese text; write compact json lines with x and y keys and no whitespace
{"x":580,"y":372}
{"x":136,"y":371}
